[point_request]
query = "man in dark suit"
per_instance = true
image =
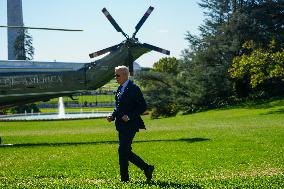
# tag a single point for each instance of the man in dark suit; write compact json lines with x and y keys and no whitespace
{"x":129,"y":105}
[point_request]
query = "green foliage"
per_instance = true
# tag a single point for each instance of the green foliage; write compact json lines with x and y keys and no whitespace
{"x":261,"y":66}
{"x":167,"y":65}
{"x":28,"y":108}
{"x":228,"y":25}
{"x":158,"y":85}
{"x":159,"y":93}
{"x":203,"y":80}
{"x":165,"y":109}
{"x":238,"y":147}
{"x":4,"y":111}
{"x":23,"y":47}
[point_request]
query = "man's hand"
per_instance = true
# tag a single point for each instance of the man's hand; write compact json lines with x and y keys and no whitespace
{"x":109,"y":118}
{"x":125,"y":118}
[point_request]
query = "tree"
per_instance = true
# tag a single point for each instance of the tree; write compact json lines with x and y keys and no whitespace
{"x":167,"y":65}
{"x":202,"y":79}
{"x":159,"y":87}
{"x":29,"y":108}
{"x":23,"y":50}
{"x":23,"y":47}
{"x":261,"y":67}
{"x":3,"y":112}
{"x":228,"y":25}
{"x":159,"y":93}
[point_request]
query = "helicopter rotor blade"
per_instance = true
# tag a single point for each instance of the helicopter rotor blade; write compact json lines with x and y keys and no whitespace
{"x":142,"y":20}
{"x":154,"y":48}
{"x":39,"y":28}
{"x":113,"y":22}
{"x":103,"y":51}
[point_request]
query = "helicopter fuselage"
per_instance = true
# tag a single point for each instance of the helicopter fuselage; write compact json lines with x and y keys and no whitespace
{"x":23,"y":82}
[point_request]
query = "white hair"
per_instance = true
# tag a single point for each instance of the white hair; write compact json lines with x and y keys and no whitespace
{"x":123,"y":69}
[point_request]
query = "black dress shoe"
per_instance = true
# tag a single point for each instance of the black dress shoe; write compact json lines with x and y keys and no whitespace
{"x":149,"y":172}
{"x":124,"y":178}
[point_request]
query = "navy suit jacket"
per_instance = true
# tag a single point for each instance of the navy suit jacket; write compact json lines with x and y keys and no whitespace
{"x":132,"y":104}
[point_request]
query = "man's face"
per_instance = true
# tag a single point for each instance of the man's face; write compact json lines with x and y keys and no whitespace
{"x":120,"y":77}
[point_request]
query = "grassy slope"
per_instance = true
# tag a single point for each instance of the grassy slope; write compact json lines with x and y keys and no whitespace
{"x":237,"y":147}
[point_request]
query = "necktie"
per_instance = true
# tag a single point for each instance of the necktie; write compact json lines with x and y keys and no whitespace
{"x":118,"y":94}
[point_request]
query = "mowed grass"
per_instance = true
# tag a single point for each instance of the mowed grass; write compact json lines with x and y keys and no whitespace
{"x":239,"y":147}
{"x":87,"y":98}
{"x":78,"y":110}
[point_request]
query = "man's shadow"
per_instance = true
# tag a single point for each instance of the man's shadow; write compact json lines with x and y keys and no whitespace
{"x":189,"y":140}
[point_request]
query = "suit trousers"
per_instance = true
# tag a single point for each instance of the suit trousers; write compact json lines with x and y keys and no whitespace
{"x":125,"y":154}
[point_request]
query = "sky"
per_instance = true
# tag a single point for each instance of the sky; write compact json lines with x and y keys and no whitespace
{"x":166,"y":27}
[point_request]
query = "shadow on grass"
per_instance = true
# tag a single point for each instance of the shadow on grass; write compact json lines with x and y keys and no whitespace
{"x":169,"y":184}
{"x":189,"y":140}
{"x":262,"y":103}
{"x":279,"y":111}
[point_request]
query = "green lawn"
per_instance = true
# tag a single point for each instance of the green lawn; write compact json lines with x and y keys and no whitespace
{"x":83,"y":109}
{"x":240,"y":147}
{"x":100,"y":98}
{"x":87,"y":98}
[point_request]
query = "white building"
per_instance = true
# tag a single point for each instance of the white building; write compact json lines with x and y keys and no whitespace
{"x":136,"y":67}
